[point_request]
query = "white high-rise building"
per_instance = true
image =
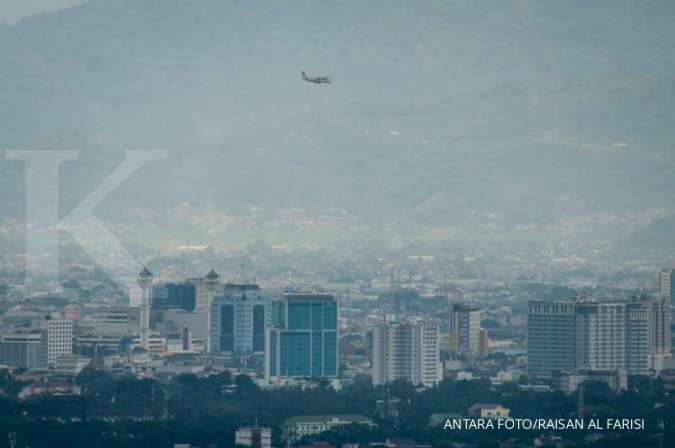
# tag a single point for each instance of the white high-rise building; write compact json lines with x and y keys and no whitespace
{"x":135,"y":295}
{"x":406,"y":350}
{"x":661,"y":318}
{"x":144,"y":281}
{"x":211,"y":283}
{"x":592,"y":336}
{"x":59,"y":339}
{"x":601,"y":336}
{"x":639,"y":357}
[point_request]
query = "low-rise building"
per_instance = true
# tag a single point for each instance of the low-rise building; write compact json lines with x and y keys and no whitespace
{"x":300,"y":426}
{"x":69,"y":365}
{"x":254,"y":436}
{"x":569,"y":380}
{"x":56,"y":388}
{"x":489,"y":410}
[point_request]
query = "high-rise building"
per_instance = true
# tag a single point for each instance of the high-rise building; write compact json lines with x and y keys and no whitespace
{"x":551,"y":337}
{"x":59,"y":339}
{"x":406,"y":350}
{"x":174,"y":296}
{"x":23,"y":349}
{"x":303,"y":341}
{"x":484,"y":345}
{"x":239,"y":315}
{"x":661,"y":317}
{"x":639,"y":336}
{"x":591,"y":336}
{"x":601,"y":336}
{"x":135,"y":295}
{"x":666,"y":283}
{"x":144,"y":282}
{"x":465,"y":324}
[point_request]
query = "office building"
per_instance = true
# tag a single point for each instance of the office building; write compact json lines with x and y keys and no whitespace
{"x":23,"y":350}
{"x":407,"y":351}
{"x":600,"y":336}
{"x":465,"y":326}
{"x":174,"y":296}
{"x":59,"y":339}
{"x":239,"y":315}
{"x":591,"y":336}
{"x":662,"y":318}
{"x":303,"y":342}
{"x":639,"y":359}
{"x":551,"y":337}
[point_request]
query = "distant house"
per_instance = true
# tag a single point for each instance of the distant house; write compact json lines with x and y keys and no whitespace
{"x":489,"y":410}
{"x":300,"y":426}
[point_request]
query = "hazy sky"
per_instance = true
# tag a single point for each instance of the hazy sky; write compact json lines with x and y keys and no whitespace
{"x":509,"y":114}
{"x":11,"y":11}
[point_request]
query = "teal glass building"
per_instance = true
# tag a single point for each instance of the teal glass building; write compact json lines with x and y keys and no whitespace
{"x":302,"y":343}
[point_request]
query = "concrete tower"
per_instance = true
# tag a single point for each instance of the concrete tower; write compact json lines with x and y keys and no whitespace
{"x":144,"y":281}
{"x":211,"y":283}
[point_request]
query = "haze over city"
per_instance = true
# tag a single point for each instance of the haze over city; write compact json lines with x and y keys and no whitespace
{"x":344,"y":224}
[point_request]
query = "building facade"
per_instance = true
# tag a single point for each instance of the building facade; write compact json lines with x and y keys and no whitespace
{"x":300,"y":426}
{"x":592,"y":336}
{"x":662,"y":318}
{"x":303,"y":341}
{"x":59,"y":339}
{"x":465,"y":326}
{"x":551,"y":337}
{"x":409,"y":351}
{"x":239,"y":316}
{"x":23,"y":350}
{"x":600,"y":338}
{"x":639,"y":360}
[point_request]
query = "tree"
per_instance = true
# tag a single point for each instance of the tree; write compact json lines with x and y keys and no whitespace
{"x":245,"y":385}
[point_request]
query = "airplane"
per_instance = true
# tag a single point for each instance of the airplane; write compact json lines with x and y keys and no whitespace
{"x":317,"y":79}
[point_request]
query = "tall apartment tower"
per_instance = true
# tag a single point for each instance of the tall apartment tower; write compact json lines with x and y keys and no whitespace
{"x":465,"y":327}
{"x":144,"y":282}
{"x":639,"y":359}
{"x":239,"y":314}
{"x":408,"y":351}
{"x":551,"y":337}
{"x":601,"y":336}
{"x":661,"y":317}
{"x":591,"y":335}
{"x":303,"y":341}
